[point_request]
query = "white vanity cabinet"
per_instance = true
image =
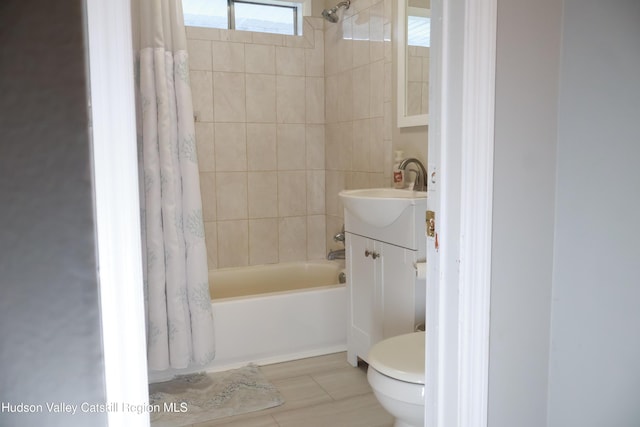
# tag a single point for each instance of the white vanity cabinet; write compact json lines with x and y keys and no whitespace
{"x":385,"y":298}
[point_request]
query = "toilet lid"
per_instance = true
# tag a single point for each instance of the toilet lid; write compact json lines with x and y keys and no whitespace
{"x":400,"y":357}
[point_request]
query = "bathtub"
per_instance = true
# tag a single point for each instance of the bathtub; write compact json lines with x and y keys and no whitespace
{"x":274,"y":313}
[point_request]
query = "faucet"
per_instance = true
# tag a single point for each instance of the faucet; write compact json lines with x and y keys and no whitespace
{"x":420,"y":183}
{"x":337,"y":254}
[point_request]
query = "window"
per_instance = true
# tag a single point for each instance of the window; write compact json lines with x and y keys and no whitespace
{"x":267,"y":16}
{"x":418,"y":27}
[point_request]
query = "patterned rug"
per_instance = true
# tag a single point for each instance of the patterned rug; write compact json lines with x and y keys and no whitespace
{"x":196,"y":398}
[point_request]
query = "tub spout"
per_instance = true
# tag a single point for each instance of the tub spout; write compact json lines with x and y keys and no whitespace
{"x":337,"y":254}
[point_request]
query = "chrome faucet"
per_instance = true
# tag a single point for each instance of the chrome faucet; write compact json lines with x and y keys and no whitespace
{"x":420,"y":183}
{"x":337,"y":254}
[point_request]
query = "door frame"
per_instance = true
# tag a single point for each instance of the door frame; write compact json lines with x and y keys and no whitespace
{"x":461,"y":135}
{"x":458,"y":300}
{"x":117,"y":208}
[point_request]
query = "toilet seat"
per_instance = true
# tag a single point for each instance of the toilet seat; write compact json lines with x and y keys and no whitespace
{"x":400,"y":357}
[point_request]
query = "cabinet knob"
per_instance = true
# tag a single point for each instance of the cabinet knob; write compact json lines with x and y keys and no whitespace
{"x":373,"y":254}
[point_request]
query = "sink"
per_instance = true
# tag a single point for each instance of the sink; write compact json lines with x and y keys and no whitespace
{"x":379,"y":207}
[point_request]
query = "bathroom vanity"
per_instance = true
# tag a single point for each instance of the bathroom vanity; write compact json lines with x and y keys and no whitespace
{"x":384,"y":238}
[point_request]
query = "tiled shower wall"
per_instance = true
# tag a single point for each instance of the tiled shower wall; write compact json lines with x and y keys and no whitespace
{"x":358,"y":76}
{"x":283,"y":124}
{"x":260,"y":127}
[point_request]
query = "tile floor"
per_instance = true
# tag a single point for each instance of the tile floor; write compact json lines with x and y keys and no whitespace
{"x":318,"y":392}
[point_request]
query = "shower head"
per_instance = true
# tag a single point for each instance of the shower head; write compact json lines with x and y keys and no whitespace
{"x":331,"y":15}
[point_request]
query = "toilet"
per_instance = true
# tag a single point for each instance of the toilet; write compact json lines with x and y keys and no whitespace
{"x":396,"y":375}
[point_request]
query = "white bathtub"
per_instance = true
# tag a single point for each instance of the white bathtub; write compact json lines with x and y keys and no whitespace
{"x":279,"y":312}
{"x":274,"y":313}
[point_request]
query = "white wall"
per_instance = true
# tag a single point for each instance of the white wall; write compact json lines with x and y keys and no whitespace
{"x":524,"y":185}
{"x":595,"y":347}
{"x":50,"y":332}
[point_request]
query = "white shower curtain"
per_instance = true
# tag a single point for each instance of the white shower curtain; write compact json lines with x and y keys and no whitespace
{"x":179,"y":316}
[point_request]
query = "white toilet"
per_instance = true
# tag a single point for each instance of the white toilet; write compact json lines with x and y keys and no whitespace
{"x":396,"y":375}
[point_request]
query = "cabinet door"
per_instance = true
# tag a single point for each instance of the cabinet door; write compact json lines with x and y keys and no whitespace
{"x":398,"y":288}
{"x":361,"y":279}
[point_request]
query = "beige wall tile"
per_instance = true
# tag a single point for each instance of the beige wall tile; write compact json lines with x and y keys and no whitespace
{"x":292,"y":198}
{"x":378,"y":151}
{"x":290,"y":61}
{"x":292,"y":239}
{"x":231,"y":195}
{"x":388,"y":82}
{"x":414,"y":69}
{"x":268,"y":38}
{"x":316,"y":241}
{"x":307,"y":32}
{"x":261,"y":98}
{"x":360,"y":180}
{"x":376,"y":88}
{"x":345,"y":96}
{"x":345,"y":146}
{"x":316,"y":22}
{"x":211,"y":241}
{"x":290,"y":99}
{"x":229,"y":100}
{"x":361,"y":145}
{"x":361,"y":50}
{"x":332,"y":159}
{"x":263,"y":241}
{"x":204,"y":144}
{"x":336,"y":182}
{"x":231,"y":147}
{"x":262,"y":154}
{"x":297,"y":42}
{"x":314,"y":58}
{"x":202,"y":94}
{"x":314,"y":109}
{"x":263,"y":194}
{"x":315,"y":192}
{"x":315,"y":146}
{"x":291,"y":147}
{"x":331,"y":94}
{"x":361,"y":92}
{"x":208,"y":194}
{"x":202,"y":33}
{"x":260,"y":59}
{"x":388,"y":121}
{"x":233,"y":243}
{"x":227,"y":56}
{"x":236,"y":36}
{"x":199,"y":54}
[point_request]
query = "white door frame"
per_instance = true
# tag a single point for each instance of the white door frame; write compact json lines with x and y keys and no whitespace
{"x":462,"y":129}
{"x":461,"y":136}
{"x":115,"y":167}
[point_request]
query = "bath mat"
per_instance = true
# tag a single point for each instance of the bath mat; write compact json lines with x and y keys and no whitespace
{"x":196,"y":398}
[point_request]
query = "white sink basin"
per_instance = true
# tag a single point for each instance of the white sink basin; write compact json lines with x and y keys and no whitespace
{"x":379,"y":206}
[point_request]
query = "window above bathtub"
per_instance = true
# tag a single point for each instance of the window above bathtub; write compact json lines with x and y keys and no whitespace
{"x":266,"y":16}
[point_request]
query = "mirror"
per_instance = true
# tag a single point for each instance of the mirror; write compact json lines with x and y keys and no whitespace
{"x":414,"y":40}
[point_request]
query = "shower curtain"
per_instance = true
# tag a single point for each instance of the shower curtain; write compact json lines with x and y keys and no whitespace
{"x":178,"y":305}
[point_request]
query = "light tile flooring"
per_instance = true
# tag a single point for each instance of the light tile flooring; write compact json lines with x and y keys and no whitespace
{"x":318,"y":392}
